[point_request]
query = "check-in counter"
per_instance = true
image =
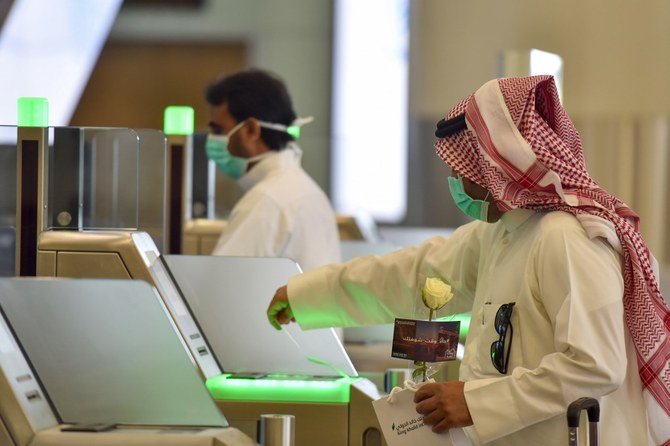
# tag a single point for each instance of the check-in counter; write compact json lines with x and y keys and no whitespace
{"x":218,"y":304}
{"x":328,"y":411}
{"x":132,"y":254}
{"x":94,"y":254}
{"x":76,"y":178}
{"x":201,"y":235}
{"x":304,"y":373}
{"x":78,"y":368}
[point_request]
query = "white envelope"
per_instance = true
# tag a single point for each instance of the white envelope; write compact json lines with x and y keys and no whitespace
{"x":402,"y":425}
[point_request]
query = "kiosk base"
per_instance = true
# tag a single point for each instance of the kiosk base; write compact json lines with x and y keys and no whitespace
{"x":136,"y":436}
{"x":351,"y":422}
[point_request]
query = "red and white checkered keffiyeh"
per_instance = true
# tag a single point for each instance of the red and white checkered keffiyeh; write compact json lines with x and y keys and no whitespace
{"x":521,"y":145}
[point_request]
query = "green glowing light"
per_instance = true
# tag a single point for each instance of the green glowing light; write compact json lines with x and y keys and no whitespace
{"x":33,"y":112}
{"x":178,"y":120}
{"x":285,"y":376}
{"x":223,"y":387}
{"x":294,"y":131}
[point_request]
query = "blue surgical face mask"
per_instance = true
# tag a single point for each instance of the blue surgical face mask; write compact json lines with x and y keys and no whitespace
{"x":233,"y":166}
{"x":217,"y":150}
{"x":477,"y":209}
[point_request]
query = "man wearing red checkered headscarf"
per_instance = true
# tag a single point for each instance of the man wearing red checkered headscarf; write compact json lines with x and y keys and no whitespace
{"x":564,"y":300}
{"x":521,"y":146}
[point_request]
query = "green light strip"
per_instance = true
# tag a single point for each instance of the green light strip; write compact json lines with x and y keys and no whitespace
{"x":33,"y":112}
{"x":223,"y":387}
{"x":178,"y":120}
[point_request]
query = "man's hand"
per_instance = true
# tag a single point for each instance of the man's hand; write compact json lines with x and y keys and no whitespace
{"x":279,"y":311}
{"x":443,"y":405}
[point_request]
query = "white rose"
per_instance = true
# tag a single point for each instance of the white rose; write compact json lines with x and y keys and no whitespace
{"x":436,"y":293}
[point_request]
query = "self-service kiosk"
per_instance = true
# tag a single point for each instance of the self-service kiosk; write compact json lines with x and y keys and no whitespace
{"x":109,"y":194}
{"x":304,"y":373}
{"x":98,"y":362}
{"x":218,"y":305}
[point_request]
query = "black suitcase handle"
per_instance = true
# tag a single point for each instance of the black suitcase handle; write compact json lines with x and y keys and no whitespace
{"x":575,"y":409}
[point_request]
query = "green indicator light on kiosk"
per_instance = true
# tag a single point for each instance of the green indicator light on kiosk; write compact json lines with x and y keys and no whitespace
{"x":223,"y":387}
{"x":178,"y":120}
{"x":33,"y":112}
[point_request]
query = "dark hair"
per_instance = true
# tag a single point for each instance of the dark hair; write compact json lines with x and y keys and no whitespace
{"x":256,"y":94}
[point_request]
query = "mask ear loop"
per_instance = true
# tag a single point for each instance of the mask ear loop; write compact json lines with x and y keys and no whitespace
{"x":488,"y":194}
{"x":487,"y":206}
{"x":237,"y":126}
{"x":293,"y":129}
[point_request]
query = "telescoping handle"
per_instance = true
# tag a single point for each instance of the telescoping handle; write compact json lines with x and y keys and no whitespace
{"x":593,"y":412}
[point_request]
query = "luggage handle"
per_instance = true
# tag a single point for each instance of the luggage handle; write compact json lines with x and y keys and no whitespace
{"x":574,"y":411}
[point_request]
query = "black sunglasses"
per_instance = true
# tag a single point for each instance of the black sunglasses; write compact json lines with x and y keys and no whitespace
{"x":503,"y":320}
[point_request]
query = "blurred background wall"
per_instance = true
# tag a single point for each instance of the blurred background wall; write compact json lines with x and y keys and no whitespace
{"x":616,"y":58}
{"x":175,"y":51}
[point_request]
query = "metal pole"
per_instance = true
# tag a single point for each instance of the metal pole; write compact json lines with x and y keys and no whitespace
{"x":276,"y":430}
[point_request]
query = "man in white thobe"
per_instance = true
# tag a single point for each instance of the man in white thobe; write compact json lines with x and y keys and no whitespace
{"x":283,"y":212}
{"x":588,"y":318}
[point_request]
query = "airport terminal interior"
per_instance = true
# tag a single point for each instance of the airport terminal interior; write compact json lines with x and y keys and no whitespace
{"x":119,"y":324}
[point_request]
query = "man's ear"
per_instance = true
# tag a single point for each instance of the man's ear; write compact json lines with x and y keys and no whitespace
{"x":252,"y":130}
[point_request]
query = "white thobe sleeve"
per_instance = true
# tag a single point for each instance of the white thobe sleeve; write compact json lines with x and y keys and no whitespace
{"x":579,"y":283}
{"x":375,"y":290}
{"x":257,"y":229}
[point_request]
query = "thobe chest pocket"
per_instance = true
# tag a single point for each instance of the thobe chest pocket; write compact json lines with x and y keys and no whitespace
{"x":487,"y":315}
{"x":489,"y":334}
